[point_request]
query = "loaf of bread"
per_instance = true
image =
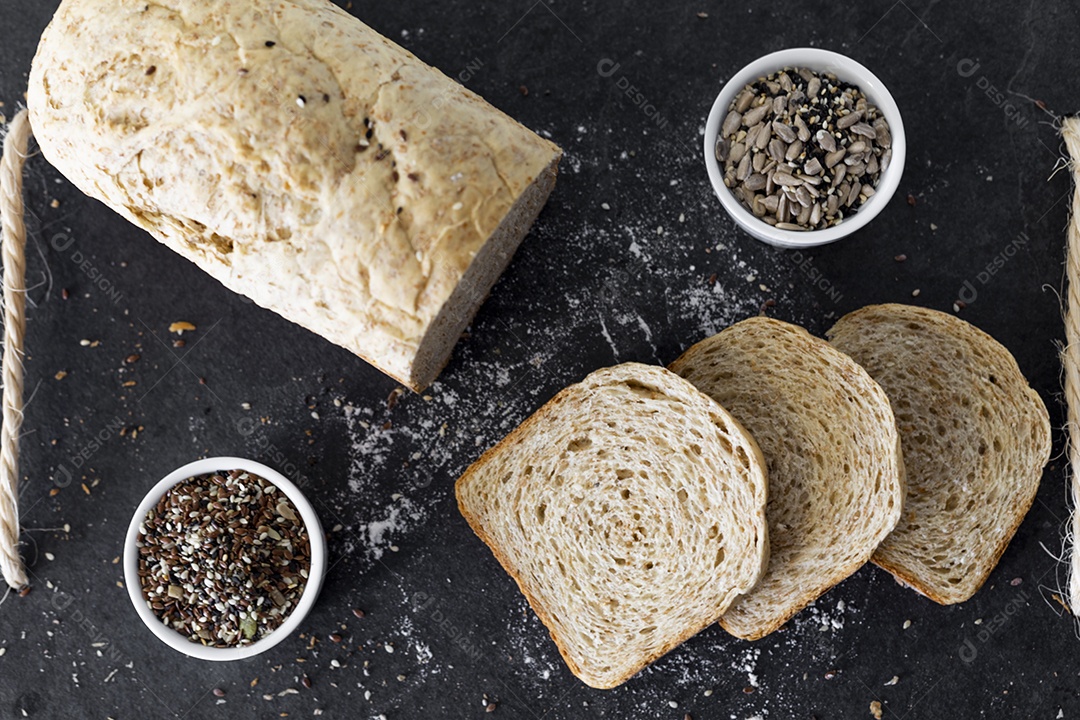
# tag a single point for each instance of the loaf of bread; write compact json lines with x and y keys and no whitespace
{"x":298,"y":157}
{"x":631,"y":512}
{"x":836,"y":477}
{"x":975,"y":436}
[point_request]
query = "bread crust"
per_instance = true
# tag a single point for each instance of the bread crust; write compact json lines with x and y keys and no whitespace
{"x":761,"y":340}
{"x":296,"y":156}
{"x":539,"y":418}
{"x":1026,"y":479}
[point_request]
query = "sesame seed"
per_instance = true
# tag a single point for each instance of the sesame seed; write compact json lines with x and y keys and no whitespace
{"x":223,"y":558}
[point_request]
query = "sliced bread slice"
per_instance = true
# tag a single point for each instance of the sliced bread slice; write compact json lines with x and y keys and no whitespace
{"x":975,"y":439}
{"x":836,"y":479}
{"x":631,"y":512}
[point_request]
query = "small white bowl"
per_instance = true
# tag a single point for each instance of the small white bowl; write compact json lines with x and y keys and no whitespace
{"x":846,"y":70}
{"x":311,"y":589}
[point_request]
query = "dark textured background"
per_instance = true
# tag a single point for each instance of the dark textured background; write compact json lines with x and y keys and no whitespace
{"x":590,"y":286}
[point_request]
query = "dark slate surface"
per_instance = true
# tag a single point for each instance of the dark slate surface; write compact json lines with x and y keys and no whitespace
{"x":590,"y":286}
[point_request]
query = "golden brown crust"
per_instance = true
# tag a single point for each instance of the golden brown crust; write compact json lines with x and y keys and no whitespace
{"x":978,"y":352}
{"x":738,"y":368}
{"x":292,"y":153}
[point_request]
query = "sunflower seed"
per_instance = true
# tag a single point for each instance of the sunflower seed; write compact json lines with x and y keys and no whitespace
{"x":804,"y":216}
{"x":744,"y":169}
{"x":826,"y":140}
{"x":853,"y":193}
{"x":783,"y":178}
{"x":737,"y":152}
{"x":754,"y":182}
{"x":798,"y":146}
{"x":731,"y":123}
{"x":788,"y":226}
{"x":742,"y":103}
{"x":784,"y":131}
{"x":761,"y":140}
{"x":848,"y":120}
{"x":748,"y":137}
{"x":838,"y":175}
{"x":794,"y":150}
{"x":801,"y":129}
{"x":832,"y":204}
{"x":777,"y":150}
{"x":861,"y":128}
{"x":834,"y":157}
{"x":884,"y":137}
{"x":803,"y":197}
{"x":757,"y":207}
{"x":721,"y":149}
{"x":755,"y":115}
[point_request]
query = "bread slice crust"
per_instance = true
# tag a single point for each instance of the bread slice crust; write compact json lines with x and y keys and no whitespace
{"x":735,"y":486}
{"x":836,"y":475}
{"x":973,"y":432}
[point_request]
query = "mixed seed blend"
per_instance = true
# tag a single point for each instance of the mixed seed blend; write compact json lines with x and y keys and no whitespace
{"x":803,"y":150}
{"x":223,"y":558}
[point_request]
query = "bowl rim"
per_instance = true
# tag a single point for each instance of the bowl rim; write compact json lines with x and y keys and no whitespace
{"x":847,"y":69}
{"x":307,"y":598}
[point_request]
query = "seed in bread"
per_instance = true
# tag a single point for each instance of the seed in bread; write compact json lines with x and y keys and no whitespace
{"x":631,"y":512}
{"x":975,"y":436}
{"x":836,"y":480}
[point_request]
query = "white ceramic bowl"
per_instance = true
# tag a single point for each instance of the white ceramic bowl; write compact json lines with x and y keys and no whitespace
{"x":846,"y":70}
{"x":307,"y":599}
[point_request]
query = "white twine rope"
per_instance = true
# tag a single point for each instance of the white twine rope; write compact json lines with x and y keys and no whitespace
{"x":1070,"y":360}
{"x":13,"y":247}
